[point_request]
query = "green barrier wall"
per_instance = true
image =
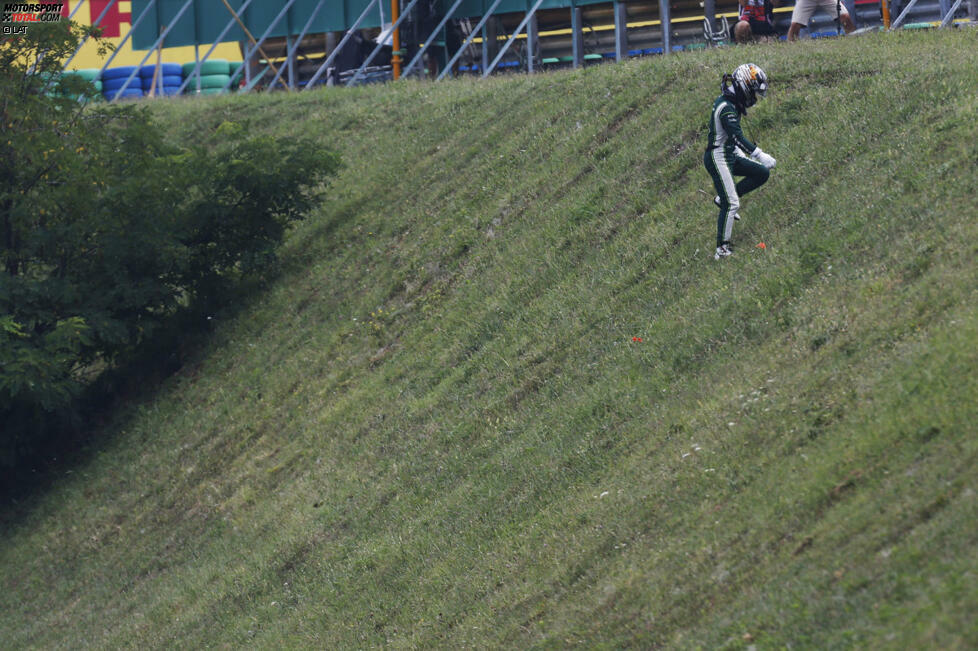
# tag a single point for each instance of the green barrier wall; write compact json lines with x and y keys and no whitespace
{"x":203,"y":22}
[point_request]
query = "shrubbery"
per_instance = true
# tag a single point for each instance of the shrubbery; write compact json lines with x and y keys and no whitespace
{"x":107,"y":230}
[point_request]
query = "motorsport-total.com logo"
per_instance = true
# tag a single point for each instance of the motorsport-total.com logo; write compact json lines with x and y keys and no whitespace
{"x":18,"y":16}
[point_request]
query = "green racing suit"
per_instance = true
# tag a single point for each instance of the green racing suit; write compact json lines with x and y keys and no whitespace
{"x":726,"y":156}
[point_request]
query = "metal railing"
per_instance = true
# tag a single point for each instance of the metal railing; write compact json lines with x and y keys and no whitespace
{"x":940,"y":13}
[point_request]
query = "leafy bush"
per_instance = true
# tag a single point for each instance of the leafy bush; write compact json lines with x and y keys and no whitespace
{"x":107,"y":230}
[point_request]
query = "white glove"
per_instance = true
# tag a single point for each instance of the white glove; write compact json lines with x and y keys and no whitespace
{"x":764,"y":159}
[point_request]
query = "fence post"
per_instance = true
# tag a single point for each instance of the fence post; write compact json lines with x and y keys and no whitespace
{"x":666,"y":17}
{"x":621,"y":30}
{"x":577,"y":35}
{"x":532,"y":43}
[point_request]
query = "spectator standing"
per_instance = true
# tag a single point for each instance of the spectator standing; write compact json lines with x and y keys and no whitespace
{"x":805,"y":9}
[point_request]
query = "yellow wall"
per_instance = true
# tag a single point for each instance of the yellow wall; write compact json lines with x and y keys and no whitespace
{"x":88,"y":57}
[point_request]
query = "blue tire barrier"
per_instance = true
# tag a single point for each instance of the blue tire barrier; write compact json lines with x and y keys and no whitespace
{"x":120,"y":72}
{"x":169,"y":80}
{"x":116,"y":84}
{"x":166,"y":69}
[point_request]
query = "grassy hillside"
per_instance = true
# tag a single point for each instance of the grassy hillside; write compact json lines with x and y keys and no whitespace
{"x":438,"y":428}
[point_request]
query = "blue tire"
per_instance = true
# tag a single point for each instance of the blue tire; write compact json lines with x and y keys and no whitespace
{"x":165,"y":69}
{"x":169,"y":80}
{"x":116,"y":73}
{"x":116,"y":84}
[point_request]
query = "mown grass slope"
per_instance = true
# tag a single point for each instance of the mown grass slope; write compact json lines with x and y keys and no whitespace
{"x":437,"y":428}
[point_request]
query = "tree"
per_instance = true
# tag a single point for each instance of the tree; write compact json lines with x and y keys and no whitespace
{"x":107,"y":230}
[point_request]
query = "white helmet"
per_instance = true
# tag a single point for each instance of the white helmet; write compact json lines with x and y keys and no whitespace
{"x":744,"y":85}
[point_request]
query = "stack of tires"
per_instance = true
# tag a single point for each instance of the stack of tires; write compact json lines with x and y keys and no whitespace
{"x":215,"y":76}
{"x":168,"y":79}
{"x":113,"y":80}
{"x":89,"y":75}
{"x":49,"y":82}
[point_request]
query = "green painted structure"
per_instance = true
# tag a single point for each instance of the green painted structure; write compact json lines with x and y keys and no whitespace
{"x":205,"y":20}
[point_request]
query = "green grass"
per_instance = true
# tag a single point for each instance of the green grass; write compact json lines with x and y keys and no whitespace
{"x":436,"y":430}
